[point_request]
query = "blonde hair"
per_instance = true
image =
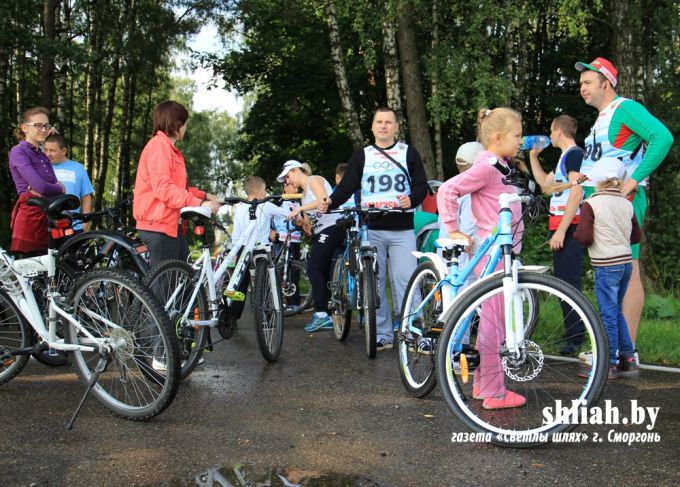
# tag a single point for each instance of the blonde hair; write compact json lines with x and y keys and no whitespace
{"x":18,"y":133}
{"x":609,"y":183}
{"x":252,"y":184}
{"x":496,"y":121}
{"x":306,"y":168}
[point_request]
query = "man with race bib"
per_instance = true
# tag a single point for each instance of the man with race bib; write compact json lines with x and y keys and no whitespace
{"x":627,"y":131}
{"x":390,"y":174}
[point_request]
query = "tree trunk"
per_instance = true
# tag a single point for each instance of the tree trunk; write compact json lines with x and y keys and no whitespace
{"x":623,"y":42}
{"x":438,"y":151}
{"x":413,"y":91}
{"x":47,"y":56}
{"x":64,"y":22}
{"x":351,"y":117}
{"x":392,"y":80}
{"x":91,"y":86}
{"x":108,"y":118}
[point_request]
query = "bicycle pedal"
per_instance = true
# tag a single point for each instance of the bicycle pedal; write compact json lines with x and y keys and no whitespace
{"x":235,"y":295}
{"x":6,"y":357}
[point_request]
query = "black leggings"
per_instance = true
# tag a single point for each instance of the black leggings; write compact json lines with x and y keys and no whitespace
{"x":319,"y":269}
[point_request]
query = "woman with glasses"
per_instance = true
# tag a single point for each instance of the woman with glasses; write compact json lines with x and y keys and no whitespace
{"x":33,"y":176}
{"x":162,"y":187}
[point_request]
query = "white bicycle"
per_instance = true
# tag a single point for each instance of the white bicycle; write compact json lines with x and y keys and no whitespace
{"x":202,"y":295}
{"x":121,"y":341}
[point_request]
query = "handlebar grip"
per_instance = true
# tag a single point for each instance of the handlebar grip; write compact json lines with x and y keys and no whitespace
{"x":290,"y":196}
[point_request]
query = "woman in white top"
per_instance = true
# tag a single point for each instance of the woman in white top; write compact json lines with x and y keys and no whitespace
{"x":327,"y":237}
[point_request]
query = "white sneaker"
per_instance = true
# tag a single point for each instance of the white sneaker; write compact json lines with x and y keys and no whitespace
{"x":586,"y":357}
{"x":159,"y":366}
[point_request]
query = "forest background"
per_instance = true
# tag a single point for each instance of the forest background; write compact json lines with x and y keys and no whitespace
{"x":312,"y":72}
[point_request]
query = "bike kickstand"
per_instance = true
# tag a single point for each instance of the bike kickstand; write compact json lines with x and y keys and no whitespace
{"x":98,"y":370}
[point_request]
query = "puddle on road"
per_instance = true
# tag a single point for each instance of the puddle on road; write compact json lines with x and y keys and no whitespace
{"x":247,"y":476}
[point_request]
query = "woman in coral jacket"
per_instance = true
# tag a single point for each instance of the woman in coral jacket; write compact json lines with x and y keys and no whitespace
{"x":162,"y":189}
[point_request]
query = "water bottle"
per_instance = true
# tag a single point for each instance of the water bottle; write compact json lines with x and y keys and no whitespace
{"x":535,"y":142}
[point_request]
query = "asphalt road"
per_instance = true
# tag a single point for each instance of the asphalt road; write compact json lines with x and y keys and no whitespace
{"x":324,"y":408}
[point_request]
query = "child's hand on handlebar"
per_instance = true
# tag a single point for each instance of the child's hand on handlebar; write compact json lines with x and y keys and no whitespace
{"x":212,"y":204}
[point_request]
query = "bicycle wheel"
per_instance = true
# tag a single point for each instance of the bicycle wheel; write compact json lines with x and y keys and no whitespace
{"x":342,"y":313}
{"x":268,"y":321}
{"x":540,"y":375}
{"x":296,"y":290}
{"x":15,"y":334}
{"x":143,"y":367}
{"x":416,"y":357}
{"x":65,"y":278}
{"x":172,"y":282}
{"x":368,"y":305}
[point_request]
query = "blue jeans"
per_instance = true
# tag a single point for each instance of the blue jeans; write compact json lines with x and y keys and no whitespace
{"x":611,"y":283}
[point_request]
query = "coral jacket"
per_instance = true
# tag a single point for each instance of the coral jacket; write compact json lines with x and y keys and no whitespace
{"x":161,"y":187}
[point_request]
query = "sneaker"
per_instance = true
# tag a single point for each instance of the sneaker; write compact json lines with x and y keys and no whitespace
{"x":627,"y":366}
{"x":476,"y":393}
{"x":569,"y":349}
{"x":383,"y":345}
{"x":159,"y":365}
{"x":510,"y":400}
{"x":586,"y":357}
{"x":319,"y":324}
{"x":201,"y":361}
{"x":425,"y":347}
{"x":613,"y":373}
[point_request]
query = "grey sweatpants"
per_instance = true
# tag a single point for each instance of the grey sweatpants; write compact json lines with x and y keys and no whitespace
{"x":398,"y":245}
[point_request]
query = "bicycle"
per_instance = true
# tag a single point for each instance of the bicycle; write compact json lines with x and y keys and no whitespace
{"x":119,"y":337}
{"x":526,"y":359}
{"x":182,"y":287}
{"x":295,"y":292}
{"x":102,"y":249}
{"x":354,"y":283}
{"x":108,"y":249}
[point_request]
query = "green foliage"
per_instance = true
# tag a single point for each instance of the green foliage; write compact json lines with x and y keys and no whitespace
{"x":661,"y":307}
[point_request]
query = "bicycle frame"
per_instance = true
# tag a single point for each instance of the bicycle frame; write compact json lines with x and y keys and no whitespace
{"x":15,"y":274}
{"x":498,"y":244}
{"x":251,"y":251}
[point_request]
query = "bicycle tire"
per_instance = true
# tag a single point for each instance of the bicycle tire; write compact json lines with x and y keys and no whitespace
{"x":368,"y":306}
{"x":175,"y":277}
{"x":268,"y":321}
{"x":142,"y":374}
{"x":290,"y":289}
{"x":417,"y":370}
{"x":15,"y":334}
{"x":541,"y":376}
{"x":342,"y":313}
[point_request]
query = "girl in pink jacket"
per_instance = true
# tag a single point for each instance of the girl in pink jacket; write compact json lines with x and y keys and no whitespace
{"x":500,"y":132}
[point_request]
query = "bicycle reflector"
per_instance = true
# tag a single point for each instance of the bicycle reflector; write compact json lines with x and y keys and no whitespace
{"x":61,"y":228}
{"x":199,"y":230}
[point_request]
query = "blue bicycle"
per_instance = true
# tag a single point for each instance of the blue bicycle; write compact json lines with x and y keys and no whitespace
{"x":354,"y":284}
{"x":454,"y":332}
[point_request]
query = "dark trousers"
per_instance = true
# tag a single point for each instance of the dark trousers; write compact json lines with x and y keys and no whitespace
{"x":568,"y":266}
{"x":319,"y":269}
{"x":162,"y":247}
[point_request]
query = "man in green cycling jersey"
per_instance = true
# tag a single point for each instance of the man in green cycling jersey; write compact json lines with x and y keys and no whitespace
{"x":626,"y":130}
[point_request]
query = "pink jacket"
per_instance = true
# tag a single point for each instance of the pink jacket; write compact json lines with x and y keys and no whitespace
{"x":484,"y":183}
{"x":161,"y":187}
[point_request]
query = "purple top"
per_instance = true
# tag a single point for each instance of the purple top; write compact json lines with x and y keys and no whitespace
{"x":31,"y":167}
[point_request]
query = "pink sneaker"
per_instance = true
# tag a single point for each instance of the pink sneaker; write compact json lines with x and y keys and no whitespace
{"x":511,"y":400}
{"x":476,"y":393}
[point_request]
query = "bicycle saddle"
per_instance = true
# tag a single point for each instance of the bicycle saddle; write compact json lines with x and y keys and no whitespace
{"x":196,"y":212}
{"x":54,"y":206}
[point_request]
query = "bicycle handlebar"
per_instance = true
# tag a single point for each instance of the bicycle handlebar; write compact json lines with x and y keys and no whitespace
{"x":280,"y":197}
{"x":363,"y":209}
{"x":114,"y":212}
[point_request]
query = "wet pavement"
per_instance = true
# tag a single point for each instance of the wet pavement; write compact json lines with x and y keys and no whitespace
{"x":324,"y":413}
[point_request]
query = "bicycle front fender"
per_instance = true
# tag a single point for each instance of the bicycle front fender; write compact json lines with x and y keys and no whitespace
{"x":133,"y":248}
{"x":446,"y":315}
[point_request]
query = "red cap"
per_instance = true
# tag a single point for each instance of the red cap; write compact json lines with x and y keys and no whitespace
{"x":602,"y":66}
